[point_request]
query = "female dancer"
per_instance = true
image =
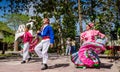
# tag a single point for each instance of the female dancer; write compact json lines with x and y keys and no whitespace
{"x":87,"y":54}
{"x":27,"y":38}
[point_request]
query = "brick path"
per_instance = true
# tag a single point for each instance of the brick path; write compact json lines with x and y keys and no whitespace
{"x":55,"y":63}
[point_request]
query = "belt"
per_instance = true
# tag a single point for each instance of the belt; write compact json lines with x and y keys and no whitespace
{"x":46,"y":37}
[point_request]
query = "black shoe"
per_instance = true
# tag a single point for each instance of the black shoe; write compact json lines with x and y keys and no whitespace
{"x":23,"y":62}
{"x":29,"y":59}
{"x":41,"y":63}
{"x":44,"y":67}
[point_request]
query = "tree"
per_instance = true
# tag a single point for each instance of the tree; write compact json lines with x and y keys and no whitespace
{"x":8,"y":40}
{"x":14,"y":20}
{"x":8,"y":36}
{"x":118,"y":17}
{"x":80,"y":16}
{"x":38,"y":22}
{"x":60,"y":10}
{"x":5,"y":28}
{"x":102,"y":12}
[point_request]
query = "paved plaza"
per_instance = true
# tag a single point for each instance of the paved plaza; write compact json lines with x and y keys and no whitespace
{"x":56,"y":63}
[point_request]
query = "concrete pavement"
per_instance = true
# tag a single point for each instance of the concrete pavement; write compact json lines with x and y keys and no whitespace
{"x":56,"y":64}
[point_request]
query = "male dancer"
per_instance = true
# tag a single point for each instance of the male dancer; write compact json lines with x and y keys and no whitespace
{"x":47,"y":35}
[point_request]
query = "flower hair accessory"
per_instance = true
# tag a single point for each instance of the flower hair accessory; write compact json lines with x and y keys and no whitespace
{"x":91,"y":24}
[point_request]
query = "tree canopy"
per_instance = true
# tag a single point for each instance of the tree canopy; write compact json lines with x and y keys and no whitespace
{"x":104,"y":13}
{"x":5,"y":28}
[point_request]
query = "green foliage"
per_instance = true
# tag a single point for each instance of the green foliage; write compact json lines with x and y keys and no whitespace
{"x":7,"y":55}
{"x":38,"y":22}
{"x":118,"y":31}
{"x":69,"y":28}
{"x":108,"y":52}
{"x":104,"y":13}
{"x":49,"y":8}
{"x":18,"y":17}
{"x":8,"y":35}
{"x":5,"y":28}
{"x":63,"y":12}
{"x":8,"y":39}
{"x":13,"y":20}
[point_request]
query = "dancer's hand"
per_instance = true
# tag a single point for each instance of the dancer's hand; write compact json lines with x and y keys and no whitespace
{"x":51,"y":45}
{"x":38,"y":31}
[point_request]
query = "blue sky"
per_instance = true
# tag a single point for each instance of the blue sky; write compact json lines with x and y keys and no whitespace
{"x":4,"y":3}
{"x":30,"y":13}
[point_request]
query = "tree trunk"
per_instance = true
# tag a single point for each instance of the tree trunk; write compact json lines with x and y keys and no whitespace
{"x":118,"y":5}
{"x":80,"y":17}
{"x":15,"y":45}
{"x":61,"y":36}
{"x":92,"y":6}
{"x":3,"y":50}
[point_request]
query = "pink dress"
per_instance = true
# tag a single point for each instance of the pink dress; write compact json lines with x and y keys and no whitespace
{"x":33,"y":44}
{"x":89,"y":38}
{"x":87,"y":54}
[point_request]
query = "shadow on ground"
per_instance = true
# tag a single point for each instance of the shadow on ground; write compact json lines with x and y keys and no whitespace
{"x":35,"y":59}
{"x":106,"y":65}
{"x":58,"y":65}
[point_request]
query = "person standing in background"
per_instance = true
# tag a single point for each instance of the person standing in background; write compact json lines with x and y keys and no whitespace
{"x":73,"y":47}
{"x":68,"y":46}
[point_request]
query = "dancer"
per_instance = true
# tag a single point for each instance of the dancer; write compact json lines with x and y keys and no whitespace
{"x":32,"y":45}
{"x":47,"y":35}
{"x":87,"y":54}
{"x":27,"y":38}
